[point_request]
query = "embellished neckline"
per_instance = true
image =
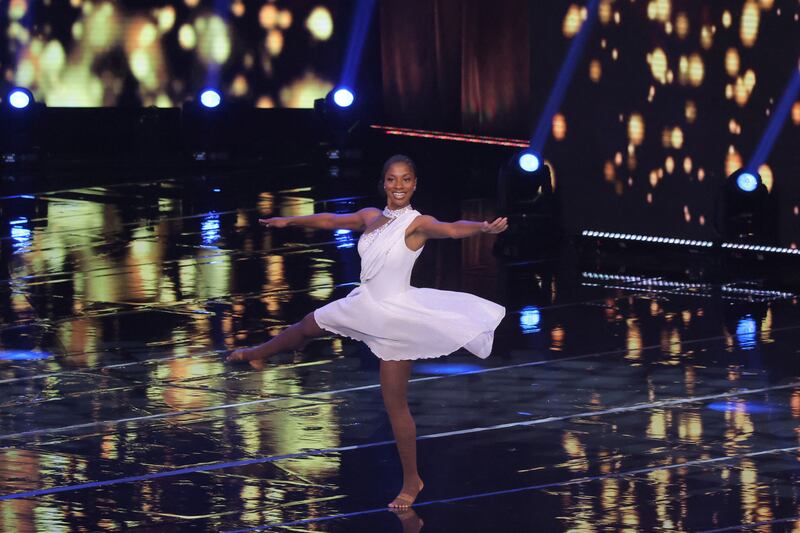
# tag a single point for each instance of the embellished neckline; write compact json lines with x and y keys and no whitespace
{"x":391,"y":214}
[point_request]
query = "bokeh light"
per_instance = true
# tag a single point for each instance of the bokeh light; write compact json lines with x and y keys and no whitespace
{"x":657,"y":60}
{"x":636,"y":129}
{"x":572,"y":21}
{"x":696,"y":70}
{"x":268,"y":16}
{"x":733,"y":161}
{"x":676,"y":138}
{"x":767,"y":178}
{"x":559,"y":127}
{"x":732,"y":62}
{"x":320,"y":23}
{"x":595,"y":70}
{"x":682,"y":25}
{"x":748,"y":30}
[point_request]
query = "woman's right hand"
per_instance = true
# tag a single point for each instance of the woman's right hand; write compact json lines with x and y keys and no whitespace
{"x":274,"y":222}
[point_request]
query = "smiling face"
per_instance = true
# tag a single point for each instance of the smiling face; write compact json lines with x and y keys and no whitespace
{"x":399,"y":183}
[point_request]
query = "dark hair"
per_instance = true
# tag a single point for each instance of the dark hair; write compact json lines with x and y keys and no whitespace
{"x":397,"y":158}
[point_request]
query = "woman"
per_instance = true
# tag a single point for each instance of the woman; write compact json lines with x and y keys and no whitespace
{"x":398,"y":322}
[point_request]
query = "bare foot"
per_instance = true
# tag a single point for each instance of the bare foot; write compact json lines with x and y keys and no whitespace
{"x":410,"y":520}
{"x":407,"y":496}
{"x":249,"y":355}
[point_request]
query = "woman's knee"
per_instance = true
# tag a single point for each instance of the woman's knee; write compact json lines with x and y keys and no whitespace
{"x":309,"y":327}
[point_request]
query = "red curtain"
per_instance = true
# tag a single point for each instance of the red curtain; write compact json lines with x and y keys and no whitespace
{"x":457,"y":65}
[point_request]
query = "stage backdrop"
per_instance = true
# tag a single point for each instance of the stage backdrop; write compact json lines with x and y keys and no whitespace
{"x":669,"y":98}
{"x":93,"y":53}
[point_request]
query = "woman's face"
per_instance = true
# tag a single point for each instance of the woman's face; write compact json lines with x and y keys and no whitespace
{"x":399,"y":183}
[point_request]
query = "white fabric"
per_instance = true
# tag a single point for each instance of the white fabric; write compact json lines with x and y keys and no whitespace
{"x":398,"y":321}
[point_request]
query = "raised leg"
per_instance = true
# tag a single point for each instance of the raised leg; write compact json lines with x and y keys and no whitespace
{"x":394,"y":385}
{"x":295,"y":337}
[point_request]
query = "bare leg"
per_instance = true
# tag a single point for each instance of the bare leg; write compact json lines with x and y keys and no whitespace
{"x":394,"y":384}
{"x":295,"y":337}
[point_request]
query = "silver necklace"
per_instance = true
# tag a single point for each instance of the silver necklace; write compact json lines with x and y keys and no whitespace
{"x":394,"y":213}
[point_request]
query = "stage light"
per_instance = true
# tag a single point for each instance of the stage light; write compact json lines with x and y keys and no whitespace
{"x":529,"y":319}
{"x":340,"y":117}
{"x":747,"y":182}
{"x":526,"y":197}
{"x":747,"y":211}
{"x":343,"y":97}
{"x":23,"y":355}
{"x":529,"y":161}
{"x":20,"y":98}
{"x":210,"y":98}
{"x":746,"y":330}
{"x":446,"y":369}
{"x":209,"y":228}
{"x":344,"y":238}
{"x":21,"y":129}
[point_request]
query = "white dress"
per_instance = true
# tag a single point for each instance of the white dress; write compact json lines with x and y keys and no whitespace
{"x":398,"y":321}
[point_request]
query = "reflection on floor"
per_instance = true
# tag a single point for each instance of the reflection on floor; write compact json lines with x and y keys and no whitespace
{"x":609,"y":402}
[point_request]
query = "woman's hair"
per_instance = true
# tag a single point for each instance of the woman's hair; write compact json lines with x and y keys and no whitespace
{"x":397,"y":158}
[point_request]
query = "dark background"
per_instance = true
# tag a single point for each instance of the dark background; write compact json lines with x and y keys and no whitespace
{"x":475,"y":67}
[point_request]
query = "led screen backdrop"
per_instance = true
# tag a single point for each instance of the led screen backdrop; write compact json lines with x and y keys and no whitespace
{"x":668,"y":98}
{"x":671,"y":98}
{"x":86,"y":53}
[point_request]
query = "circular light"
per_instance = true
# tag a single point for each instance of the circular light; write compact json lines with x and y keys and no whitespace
{"x":747,"y":182}
{"x":19,"y":98}
{"x":529,"y":162}
{"x":343,"y":97}
{"x":210,"y":98}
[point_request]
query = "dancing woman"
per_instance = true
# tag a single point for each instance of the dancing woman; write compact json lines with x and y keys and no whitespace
{"x":398,"y":322}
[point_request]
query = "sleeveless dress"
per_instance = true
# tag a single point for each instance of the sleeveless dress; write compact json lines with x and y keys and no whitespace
{"x":398,"y":321}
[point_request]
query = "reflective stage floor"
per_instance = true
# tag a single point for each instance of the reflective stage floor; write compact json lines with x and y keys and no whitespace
{"x":610,"y":402}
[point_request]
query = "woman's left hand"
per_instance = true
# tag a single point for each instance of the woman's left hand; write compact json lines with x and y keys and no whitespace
{"x":499,"y":225}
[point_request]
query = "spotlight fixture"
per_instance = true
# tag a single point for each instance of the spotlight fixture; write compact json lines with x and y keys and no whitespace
{"x":529,"y":161}
{"x":746,"y":213}
{"x":747,"y":181}
{"x":20,"y":127}
{"x":343,"y":97}
{"x":525,"y":195}
{"x":20,"y":98}
{"x":210,"y":98}
{"x":339,"y":110}
{"x":216,"y":129}
{"x":339,"y":116}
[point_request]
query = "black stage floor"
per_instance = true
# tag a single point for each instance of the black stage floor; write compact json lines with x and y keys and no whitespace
{"x":609,"y":402}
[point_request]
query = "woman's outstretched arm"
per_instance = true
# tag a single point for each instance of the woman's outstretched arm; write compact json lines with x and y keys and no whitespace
{"x":357,"y":221}
{"x":433,"y":229}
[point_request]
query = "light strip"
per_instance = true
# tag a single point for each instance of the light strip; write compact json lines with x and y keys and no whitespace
{"x":649,"y":282}
{"x":761,"y":248}
{"x":646,"y":238}
{"x":448,"y":136}
{"x":758,"y":292}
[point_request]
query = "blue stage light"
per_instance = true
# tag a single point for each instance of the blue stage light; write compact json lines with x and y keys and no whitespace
{"x":445,"y":369}
{"x":747,"y":182}
{"x":344,"y":238}
{"x":210,"y":228}
{"x":743,"y":407}
{"x":746,"y":330}
{"x":210,"y":98}
{"x":529,"y":161}
{"x":22,"y":355}
{"x":20,"y":98}
{"x":343,"y":97}
{"x":529,"y":318}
